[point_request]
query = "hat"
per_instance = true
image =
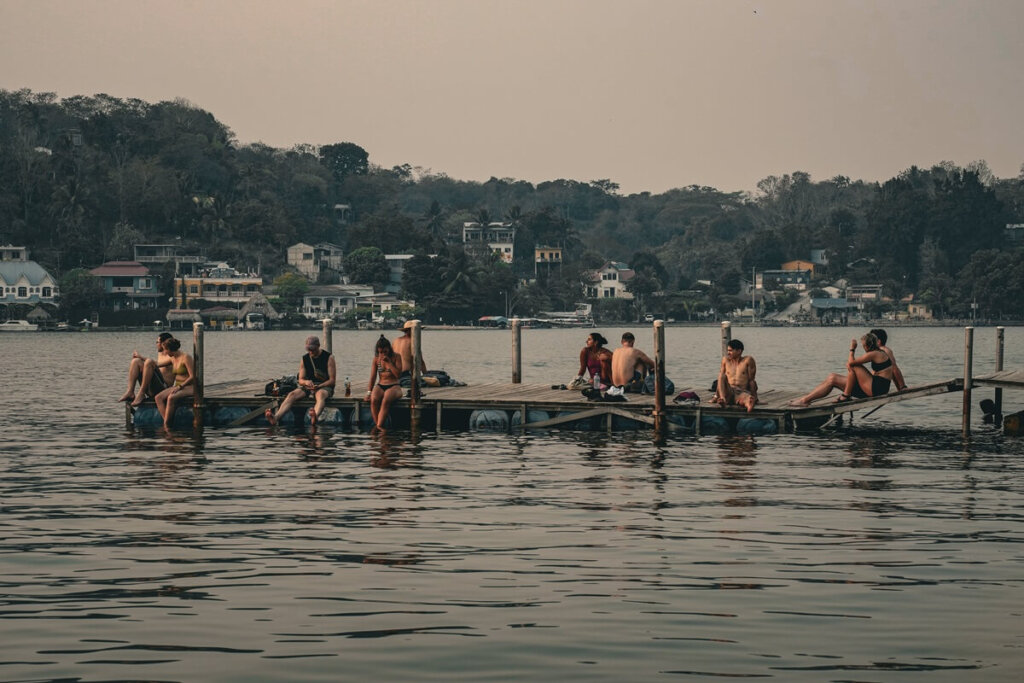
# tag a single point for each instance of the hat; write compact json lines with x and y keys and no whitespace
{"x":312,"y":343}
{"x":408,"y":324}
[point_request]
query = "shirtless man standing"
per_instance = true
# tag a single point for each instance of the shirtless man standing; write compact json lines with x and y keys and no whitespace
{"x":736,"y":380}
{"x":629,"y":365}
{"x":403,"y":347}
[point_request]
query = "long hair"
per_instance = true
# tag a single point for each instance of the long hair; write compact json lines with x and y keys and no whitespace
{"x":870,"y":342}
{"x":598,"y":338}
{"x":172,"y":344}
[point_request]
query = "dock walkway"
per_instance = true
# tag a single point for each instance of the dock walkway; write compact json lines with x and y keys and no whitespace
{"x":453,"y":406}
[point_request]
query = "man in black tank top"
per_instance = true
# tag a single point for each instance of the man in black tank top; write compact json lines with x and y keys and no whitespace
{"x":317,"y":377}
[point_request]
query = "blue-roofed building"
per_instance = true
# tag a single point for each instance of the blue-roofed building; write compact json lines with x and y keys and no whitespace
{"x":23,"y":281}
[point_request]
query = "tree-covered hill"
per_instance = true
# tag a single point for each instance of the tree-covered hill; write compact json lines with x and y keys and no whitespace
{"x":84,"y":178}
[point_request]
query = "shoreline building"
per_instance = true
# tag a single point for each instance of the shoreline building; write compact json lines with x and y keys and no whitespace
{"x":313,"y":259}
{"x":23,"y":281}
{"x":609,"y":281}
{"x":217,"y":283}
{"x":158,"y":254}
{"x":497,"y":236}
{"x":548,"y":257}
{"x":128,"y":285}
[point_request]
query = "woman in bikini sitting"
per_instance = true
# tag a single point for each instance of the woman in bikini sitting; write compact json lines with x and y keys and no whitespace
{"x":859,"y":382}
{"x":184,"y":372}
{"x":384,"y":388}
{"x":897,"y":374}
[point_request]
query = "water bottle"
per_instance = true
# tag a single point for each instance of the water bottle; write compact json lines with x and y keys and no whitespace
{"x":597,"y":381}
{"x":348,"y":387}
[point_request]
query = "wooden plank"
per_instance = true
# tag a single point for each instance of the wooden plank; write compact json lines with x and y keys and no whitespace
{"x":252,"y":414}
{"x":1004,"y":379}
{"x":573,"y":417}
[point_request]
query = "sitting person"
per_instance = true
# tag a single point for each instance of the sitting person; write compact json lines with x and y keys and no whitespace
{"x":317,"y":377}
{"x":858,"y":382}
{"x":595,"y":359}
{"x":183,"y":370}
{"x":737,"y":378}
{"x":152,"y":375}
{"x":897,"y":374}
{"x":630,"y":365}
{"x":403,"y":347}
{"x":384,"y":388}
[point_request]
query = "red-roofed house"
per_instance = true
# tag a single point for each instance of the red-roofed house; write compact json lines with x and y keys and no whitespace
{"x":129,"y":285}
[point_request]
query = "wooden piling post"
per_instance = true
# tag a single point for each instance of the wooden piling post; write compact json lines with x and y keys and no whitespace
{"x":517,"y":352}
{"x":198,"y":404}
{"x":328,"y":341}
{"x":417,"y":360}
{"x":726,"y":336}
{"x":1000,"y":336}
{"x":968,"y":377}
{"x":659,"y":372}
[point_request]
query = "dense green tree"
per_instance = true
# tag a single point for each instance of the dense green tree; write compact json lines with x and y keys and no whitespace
{"x":80,"y":293}
{"x":290,"y":288}
{"x":367,"y":266}
{"x":344,"y":159}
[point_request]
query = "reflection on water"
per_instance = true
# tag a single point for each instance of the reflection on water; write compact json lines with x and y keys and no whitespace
{"x":889,"y":550}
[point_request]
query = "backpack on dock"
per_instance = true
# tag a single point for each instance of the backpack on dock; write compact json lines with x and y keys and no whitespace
{"x":282,"y":386}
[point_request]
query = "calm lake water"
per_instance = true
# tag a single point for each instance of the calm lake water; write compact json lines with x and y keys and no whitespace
{"x":891,"y":550}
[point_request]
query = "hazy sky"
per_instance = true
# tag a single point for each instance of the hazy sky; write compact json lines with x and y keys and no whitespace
{"x":652,"y":94}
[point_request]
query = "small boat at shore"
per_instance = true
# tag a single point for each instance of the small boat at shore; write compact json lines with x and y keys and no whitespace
{"x":18,"y":326}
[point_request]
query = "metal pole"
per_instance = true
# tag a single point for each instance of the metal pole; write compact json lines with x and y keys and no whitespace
{"x":726,"y":335}
{"x":198,"y":404}
{"x":1000,"y":332}
{"x":659,"y":371}
{"x":968,"y":377}
{"x":517,"y":352}
{"x":328,"y":340}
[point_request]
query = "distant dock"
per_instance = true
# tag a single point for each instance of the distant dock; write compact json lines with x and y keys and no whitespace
{"x":518,"y":406}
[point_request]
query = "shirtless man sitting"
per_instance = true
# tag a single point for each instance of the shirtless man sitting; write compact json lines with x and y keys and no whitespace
{"x":629,"y":365}
{"x":403,"y":347}
{"x":153,"y":374}
{"x":736,"y":380}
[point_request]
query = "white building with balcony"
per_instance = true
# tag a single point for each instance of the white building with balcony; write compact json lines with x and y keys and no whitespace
{"x":498,"y":237}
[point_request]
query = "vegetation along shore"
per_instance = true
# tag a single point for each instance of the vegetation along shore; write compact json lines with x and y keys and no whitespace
{"x":91,"y":184}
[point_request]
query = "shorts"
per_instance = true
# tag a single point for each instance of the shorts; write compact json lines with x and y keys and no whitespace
{"x":157,"y":383}
{"x":329,"y":390}
{"x":879,"y":387}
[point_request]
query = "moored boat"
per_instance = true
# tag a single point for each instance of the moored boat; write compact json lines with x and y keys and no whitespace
{"x":18,"y":326}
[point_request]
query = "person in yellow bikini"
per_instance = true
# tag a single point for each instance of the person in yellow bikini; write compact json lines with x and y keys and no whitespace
{"x":183,"y":370}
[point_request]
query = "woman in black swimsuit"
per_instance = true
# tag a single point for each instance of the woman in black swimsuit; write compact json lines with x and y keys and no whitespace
{"x":859,"y":382}
{"x":384,"y":388}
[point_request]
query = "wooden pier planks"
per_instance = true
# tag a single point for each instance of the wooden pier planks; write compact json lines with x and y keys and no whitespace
{"x":1005,"y":379}
{"x":774,"y":404}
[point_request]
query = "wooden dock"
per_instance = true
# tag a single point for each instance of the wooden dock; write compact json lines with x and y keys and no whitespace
{"x":513,"y":405}
{"x":532,"y":406}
